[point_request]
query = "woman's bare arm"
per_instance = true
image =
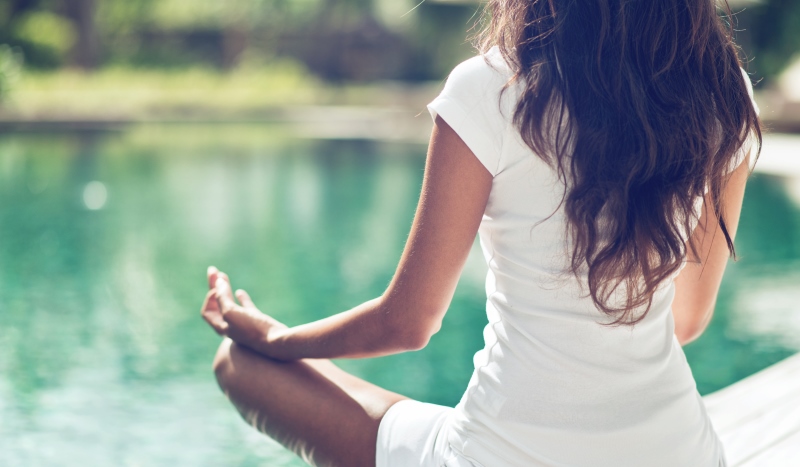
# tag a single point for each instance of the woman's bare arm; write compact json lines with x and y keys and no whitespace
{"x":454,"y":194}
{"x":696,"y":287}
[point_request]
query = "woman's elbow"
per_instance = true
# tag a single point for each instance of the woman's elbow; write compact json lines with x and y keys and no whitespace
{"x":413,"y":343}
{"x":686,"y":335}
{"x":414,"y":334}
{"x":688,"y":330}
{"x":419,"y":339}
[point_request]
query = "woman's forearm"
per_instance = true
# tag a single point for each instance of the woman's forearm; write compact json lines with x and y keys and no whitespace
{"x":455,"y":191}
{"x":368,"y":330}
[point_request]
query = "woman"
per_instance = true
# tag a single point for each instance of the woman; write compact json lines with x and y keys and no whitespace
{"x":599,"y":149}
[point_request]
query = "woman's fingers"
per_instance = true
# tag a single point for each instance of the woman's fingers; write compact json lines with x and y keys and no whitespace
{"x":250,"y":307}
{"x":224,"y":294}
{"x":244,"y":299}
{"x":243,"y":323}
{"x":212,"y":315}
{"x":212,"y":273}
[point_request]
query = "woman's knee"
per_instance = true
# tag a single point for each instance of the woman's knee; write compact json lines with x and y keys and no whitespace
{"x":238,"y":368}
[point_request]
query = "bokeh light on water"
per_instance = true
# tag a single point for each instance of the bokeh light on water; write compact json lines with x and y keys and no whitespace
{"x":95,"y":195}
{"x":104,"y":241}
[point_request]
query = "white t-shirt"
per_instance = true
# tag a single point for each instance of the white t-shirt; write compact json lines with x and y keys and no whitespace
{"x":553,"y":387}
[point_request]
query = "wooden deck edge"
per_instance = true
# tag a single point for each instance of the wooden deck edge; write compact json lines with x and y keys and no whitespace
{"x":758,"y":418}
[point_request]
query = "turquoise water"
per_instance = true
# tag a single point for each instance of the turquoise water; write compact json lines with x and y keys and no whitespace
{"x":104,"y":241}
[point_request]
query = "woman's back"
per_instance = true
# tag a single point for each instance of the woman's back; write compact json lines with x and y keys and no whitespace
{"x":552,"y":383}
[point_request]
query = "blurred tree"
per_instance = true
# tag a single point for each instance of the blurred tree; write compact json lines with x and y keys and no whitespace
{"x":380,"y":39}
{"x":86,"y":47}
{"x":337,"y":39}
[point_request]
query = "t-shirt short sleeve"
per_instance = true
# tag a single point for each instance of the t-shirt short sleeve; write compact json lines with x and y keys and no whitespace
{"x":471,"y":104}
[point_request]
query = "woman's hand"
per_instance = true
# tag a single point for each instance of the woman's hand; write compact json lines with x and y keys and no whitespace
{"x":244,"y":323}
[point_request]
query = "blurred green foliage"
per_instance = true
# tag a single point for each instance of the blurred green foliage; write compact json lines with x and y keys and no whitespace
{"x":45,"y":30}
{"x":338,"y":40}
{"x":10,"y":65}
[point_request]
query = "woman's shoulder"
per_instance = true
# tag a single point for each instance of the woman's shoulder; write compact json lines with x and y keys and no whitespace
{"x":487,"y":71}
{"x":476,"y":104}
{"x":483,"y":83}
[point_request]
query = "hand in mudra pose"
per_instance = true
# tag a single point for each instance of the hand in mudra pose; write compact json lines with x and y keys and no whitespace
{"x":274,"y":393}
{"x":242,"y":322}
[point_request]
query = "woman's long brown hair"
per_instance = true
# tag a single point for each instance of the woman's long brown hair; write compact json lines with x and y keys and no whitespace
{"x":641,"y":106}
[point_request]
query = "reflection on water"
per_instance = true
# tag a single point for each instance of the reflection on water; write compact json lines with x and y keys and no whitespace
{"x":104,"y":240}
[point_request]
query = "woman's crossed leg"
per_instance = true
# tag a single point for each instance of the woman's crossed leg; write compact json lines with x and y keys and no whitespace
{"x":320,"y":412}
